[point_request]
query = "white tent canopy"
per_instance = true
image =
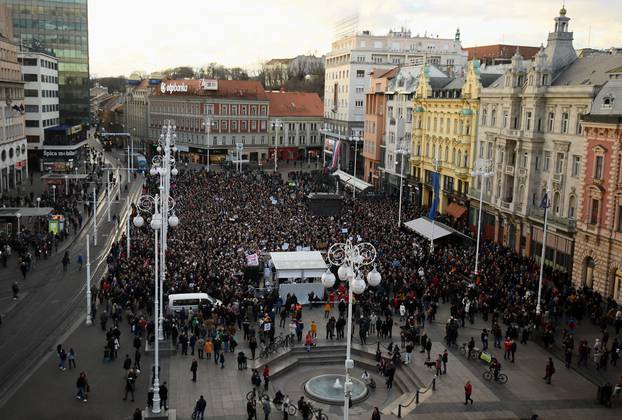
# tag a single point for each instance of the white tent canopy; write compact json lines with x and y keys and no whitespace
{"x":298,"y":264}
{"x":424,"y":227}
{"x":352,"y":181}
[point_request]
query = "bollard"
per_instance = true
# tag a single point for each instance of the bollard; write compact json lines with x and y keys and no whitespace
{"x":417,"y":397}
{"x":399,"y":411}
{"x":434,"y":384}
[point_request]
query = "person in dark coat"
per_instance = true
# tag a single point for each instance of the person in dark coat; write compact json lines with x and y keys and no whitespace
{"x":199,"y":409}
{"x":193,"y":368}
{"x":549,"y":371}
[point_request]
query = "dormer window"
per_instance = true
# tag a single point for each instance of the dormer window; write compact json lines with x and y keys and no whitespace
{"x":608,"y":102}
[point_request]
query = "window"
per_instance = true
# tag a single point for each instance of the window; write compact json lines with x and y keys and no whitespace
{"x":559,"y":163}
{"x":572,"y":205}
{"x":30,"y":77}
{"x":594,"y":208}
{"x":493,"y":118}
{"x":619,"y":224}
{"x":360,"y":73}
{"x":31,"y":93}
{"x":358,"y":104}
{"x":505,"y":119}
{"x":576,"y":165}
{"x":528,"y":120}
{"x":547,"y":161}
{"x":32,"y":108}
{"x":598,"y":167}
{"x":536,"y":163}
{"x":608,"y":102}
{"x":32,"y":123}
{"x":524,"y":160}
{"x":579,"y":127}
{"x":565,"y":122}
{"x":551,"y":122}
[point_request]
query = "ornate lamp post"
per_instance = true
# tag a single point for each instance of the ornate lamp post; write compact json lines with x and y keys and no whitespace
{"x":483,"y":169}
{"x":276,"y":126}
{"x":351,"y":259}
{"x":403,"y":149}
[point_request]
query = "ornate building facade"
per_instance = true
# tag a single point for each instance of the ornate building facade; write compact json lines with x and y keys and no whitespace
{"x":530,"y":131}
{"x":598,"y":247}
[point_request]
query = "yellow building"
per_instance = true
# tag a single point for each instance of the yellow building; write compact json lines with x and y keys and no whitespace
{"x":444,"y":136}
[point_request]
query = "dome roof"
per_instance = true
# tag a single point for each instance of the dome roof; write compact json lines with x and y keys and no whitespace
{"x":562,"y":12}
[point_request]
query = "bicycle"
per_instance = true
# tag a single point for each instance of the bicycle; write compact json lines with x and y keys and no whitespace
{"x":315,"y":413}
{"x":257,"y":394}
{"x":490,"y":376}
{"x":469,"y":354}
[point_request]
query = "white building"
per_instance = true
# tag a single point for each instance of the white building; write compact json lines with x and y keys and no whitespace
{"x":40,"y":72}
{"x":530,"y":128}
{"x":13,"y":154}
{"x":347,"y":76}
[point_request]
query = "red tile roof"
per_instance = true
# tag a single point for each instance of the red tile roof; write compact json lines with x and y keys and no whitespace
{"x":232,"y":89}
{"x":295,"y":104}
{"x":501,"y":51}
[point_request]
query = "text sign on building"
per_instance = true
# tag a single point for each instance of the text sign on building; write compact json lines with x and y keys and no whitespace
{"x":58,"y":153}
{"x":173,"y":88}
{"x":209,"y":84}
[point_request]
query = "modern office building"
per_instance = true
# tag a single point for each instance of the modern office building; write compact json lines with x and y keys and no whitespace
{"x":60,"y":27}
{"x":40,"y":72}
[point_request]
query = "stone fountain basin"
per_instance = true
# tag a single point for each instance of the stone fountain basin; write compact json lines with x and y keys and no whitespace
{"x":326,"y":389}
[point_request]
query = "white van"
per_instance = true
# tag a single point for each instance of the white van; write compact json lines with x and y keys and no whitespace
{"x":190,"y":301}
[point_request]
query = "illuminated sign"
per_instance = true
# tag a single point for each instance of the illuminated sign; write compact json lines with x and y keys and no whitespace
{"x":209,"y":84}
{"x":172,"y":88}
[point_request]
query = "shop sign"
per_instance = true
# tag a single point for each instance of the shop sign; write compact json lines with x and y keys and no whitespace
{"x":209,"y":84}
{"x":74,"y":129}
{"x":173,"y":88}
{"x":58,"y":153}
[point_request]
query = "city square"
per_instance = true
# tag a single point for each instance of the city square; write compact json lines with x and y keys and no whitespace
{"x":402,"y":227}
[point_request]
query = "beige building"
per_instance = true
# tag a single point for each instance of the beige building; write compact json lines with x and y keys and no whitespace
{"x":13,"y":153}
{"x":276,"y":72}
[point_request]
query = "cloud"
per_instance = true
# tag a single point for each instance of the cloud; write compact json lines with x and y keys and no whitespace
{"x":154,"y":34}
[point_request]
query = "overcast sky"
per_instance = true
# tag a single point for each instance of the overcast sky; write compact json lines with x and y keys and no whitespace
{"x":147,"y":35}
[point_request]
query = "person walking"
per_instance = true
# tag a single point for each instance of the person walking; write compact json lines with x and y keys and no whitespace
{"x":138,"y":414}
{"x":71,"y":357}
{"x":193,"y":368}
{"x":15,"y":290}
{"x":199,"y":409}
{"x":221,"y":359}
{"x":65,"y":261}
{"x":445,"y":360}
{"x":130,"y":384}
{"x":468,"y":390}
{"x":127,"y":363}
{"x":438,"y":364}
{"x":376,"y":414}
{"x":251,"y":410}
{"x":208,"y":347}
{"x":266,"y":408}
{"x":164,"y":396}
{"x":83,"y":387}
{"x":549,"y":371}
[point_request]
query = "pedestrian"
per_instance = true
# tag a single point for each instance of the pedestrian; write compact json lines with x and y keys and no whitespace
{"x":208,"y":347}
{"x":468,"y":390}
{"x":200,"y":347}
{"x":199,"y":409}
{"x":266,"y":408}
{"x":83,"y":387}
{"x":15,"y":289}
{"x":251,"y":410}
{"x":127,"y":363}
{"x":568,"y":357}
{"x":221,"y":359}
{"x":376,"y":414}
{"x":513,"y":349}
{"x":193,"y":368}
{"x":65,"y":261}
{"x":62,"y":357}
{"x":138,"y":414}
{"x":130,"y":384}
{"x":549,"y":371}
{"x":408,"y":353}
{"x":137,"y":360}
{"x":79,"y":261}
{"x":164,"y":396}
{"x":445,"y":360}
{"x":438,"y":363}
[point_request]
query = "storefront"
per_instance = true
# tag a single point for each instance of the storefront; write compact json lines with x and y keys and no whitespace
{"x":287,"y":153}
{"x":64,"y":147}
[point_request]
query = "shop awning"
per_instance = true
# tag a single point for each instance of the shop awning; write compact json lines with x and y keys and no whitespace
{"x":424,"y":227}
{"x":352,"y":181}
{"x":25,"y":211}
{"x":455,"y":210}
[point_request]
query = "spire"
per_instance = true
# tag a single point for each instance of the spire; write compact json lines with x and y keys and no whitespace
{"x":562,"y":12}
{"x":457,"y":38}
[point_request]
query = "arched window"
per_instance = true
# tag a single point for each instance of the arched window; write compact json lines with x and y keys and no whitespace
{"x":572,"y":206}
{"x":484,"y":116}
{"x":459,"y":158}
{"x":588,"y":272}
{"x":493,"y":118}
{"x":556,"y":199}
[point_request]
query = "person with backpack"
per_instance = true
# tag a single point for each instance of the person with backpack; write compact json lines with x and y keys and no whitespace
{"x":130,"y":384}
{"x":199,"y":409}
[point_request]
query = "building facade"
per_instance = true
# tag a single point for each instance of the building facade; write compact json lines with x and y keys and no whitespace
{"x":598,"y":247}
{"x":214,"y":114}
{"x":60,"y":27}
{"x":13,"y":152}
{"x":347,"y":75}
{"x":445,"y":135}
{"x":530,"y":133}
{"x":137,"y":106}
{"x":492,"y":55}
{"x":276,"y":72}
{"x":40,"y":72}
{"x":296,"y":118}
{"x":373,"y":124}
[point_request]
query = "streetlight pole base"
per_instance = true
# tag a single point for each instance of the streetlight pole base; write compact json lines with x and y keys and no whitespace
{"x":162,"y":415}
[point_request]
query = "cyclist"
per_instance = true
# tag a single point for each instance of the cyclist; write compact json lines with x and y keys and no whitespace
{"x":495,"y":366}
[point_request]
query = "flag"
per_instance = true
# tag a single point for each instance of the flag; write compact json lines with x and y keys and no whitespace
{"x":335,"y":162}
{"x":433,"y":207}
{"x":545,"y":203}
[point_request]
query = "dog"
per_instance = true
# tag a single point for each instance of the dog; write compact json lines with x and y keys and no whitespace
{"x":430,"y":364}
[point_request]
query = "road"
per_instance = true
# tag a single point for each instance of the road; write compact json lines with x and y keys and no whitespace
{"x":52,"y":302}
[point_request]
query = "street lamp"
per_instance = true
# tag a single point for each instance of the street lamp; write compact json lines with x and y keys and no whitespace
{"x":18,"y":215}
{"x":53,"y":193}
{"x":403,"y":149}
{"x":545,"y":204}
{"x":355,"y":138}
{"x":483,"y":169}
{"x":351,"y":259}
{"x":276,"y":126}
{"x":208,"y":124}
{"x":38,"y":201}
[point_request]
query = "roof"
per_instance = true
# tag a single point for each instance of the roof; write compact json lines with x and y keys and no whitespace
{"x":487,"y":79}
{"x":25,"y":211}
{"x":501,"y":51}
{"x":589,"y":70}
{"x":604,"y":119}
{"x":295,"y":104}
{"x":278,"y":61}
{"x":233,"y":89}
{"x":612,"y":90}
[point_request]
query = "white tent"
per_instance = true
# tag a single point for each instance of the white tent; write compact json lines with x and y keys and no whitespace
{"x":424,"y":227}
{"x":298,"y":264}
{"x":352,"y":181}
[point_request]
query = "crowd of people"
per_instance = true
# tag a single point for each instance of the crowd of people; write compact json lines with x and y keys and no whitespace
{"x":226,"y":216}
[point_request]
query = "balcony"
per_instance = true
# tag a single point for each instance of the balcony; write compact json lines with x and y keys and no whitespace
{"x":509,"y":170}
{"x":462,"y":172}
{"x":567,"y":224}
{"x":598,"y":182}
{"x":507,"y":205}
{"x":511,"y":133}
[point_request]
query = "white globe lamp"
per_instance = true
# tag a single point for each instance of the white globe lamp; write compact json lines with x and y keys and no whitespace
{"x":174,"y":171}
{"x":374,"y":278}
{"x":328,"y":279}
{"x":358,"y":286}
{"x":156,"y":222}
{"x":153,"y":171}
{"x":139,"y":221}
{"x":173,"y":221}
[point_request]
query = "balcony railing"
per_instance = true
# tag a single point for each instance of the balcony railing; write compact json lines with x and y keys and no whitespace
{"x":568,"y":224}
{"x":509,"y":170}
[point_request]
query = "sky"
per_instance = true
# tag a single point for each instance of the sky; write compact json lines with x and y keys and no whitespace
{"x":149,"y":35}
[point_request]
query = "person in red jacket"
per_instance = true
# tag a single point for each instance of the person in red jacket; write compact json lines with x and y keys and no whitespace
{"x":468,"y":390}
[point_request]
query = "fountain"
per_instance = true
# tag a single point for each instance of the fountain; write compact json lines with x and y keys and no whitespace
{"x":329,"y":389}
